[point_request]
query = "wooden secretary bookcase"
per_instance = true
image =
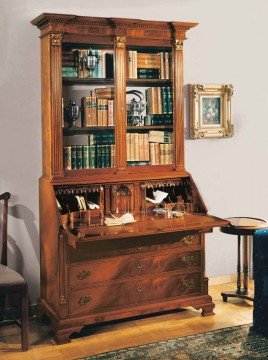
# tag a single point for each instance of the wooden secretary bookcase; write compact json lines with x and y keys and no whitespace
{"x":107,"y":157}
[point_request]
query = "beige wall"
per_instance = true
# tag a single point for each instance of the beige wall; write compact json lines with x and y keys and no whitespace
{"x":228,"y":46}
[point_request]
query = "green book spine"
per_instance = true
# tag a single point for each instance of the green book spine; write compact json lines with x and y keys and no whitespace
{"x":164,"y":100}
{"x":73,"y":157}
{"x":148,"y":71}
{"x":169,"y":101}
{"x":149,"y":76}
{"x":69,"y":71}
{"x":91,"y":139}
{"x":79,"y":157}
{"x":67,"y":157}
{"x":147,"y":120}
{"x":108,"y":155}
{"x":92,"y":156}
{"x":138,"y":163}
{"x":98,"y":155}
{"x":103,"y":156}
{"x":86,"y":157}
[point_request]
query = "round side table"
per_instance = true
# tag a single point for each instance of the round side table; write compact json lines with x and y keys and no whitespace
{"x":244,"y":227}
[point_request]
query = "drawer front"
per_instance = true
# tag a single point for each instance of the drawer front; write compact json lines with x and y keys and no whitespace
{"x":133,"y":292}
{"x":124,"y":267}
{"x":103,"y":249}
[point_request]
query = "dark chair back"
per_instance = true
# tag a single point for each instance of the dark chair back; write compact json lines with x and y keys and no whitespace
{"x":5,"y":196}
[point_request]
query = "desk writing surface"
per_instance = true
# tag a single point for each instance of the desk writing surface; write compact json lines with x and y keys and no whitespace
{"x":145,"y":224}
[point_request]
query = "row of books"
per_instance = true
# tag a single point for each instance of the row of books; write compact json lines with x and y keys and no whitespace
{"x":157,"y":136}
{"x":137,"y":146}
{"x":103,"y":137}
{"x":148,"y":66}
{"x":158,"y":119}
{"x":74,"y":66}
{"x":159,"y":100}
{"x":88,"y":156}
{"x":140,"y":148}
{"x":161,"y":154}
{"x":98,"y":108}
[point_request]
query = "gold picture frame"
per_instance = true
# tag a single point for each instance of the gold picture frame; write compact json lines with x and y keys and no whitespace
{"x":210,"y":111}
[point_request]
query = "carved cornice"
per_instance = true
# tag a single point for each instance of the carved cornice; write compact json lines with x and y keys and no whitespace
{"x":55,"y":39}
{"x":49,"y":18}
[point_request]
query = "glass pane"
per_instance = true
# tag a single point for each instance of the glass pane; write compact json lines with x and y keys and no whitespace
{"x":88,"y":108}
{"x":149,"y":107}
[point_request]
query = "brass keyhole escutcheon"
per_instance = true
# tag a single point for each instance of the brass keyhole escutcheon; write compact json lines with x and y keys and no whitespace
{"x":139,"y":288}
{"x":138,"y":265}
{"x":187,"y":283}
{"x":81,"y":275}
{"x":188,"y":259}
{"x":84,"y":300}
{"x":188,"y":239}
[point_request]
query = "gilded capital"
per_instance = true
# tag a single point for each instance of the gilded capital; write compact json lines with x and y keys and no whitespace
{"x":55,"y":39}
{"x":178,"y":45}
{"x":120,"y":41}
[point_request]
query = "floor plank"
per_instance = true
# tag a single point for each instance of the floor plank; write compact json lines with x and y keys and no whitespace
{"x":127,"y":333}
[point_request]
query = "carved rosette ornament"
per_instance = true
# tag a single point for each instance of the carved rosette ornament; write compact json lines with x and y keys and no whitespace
{"x":55,"y":39}
{"x":197,"y":88}
{"x":229,"y":91}
{"x":120,"y":41}
{"x":198,"y":134}
{"x":229,"y":131}
{"x":178,"y":45}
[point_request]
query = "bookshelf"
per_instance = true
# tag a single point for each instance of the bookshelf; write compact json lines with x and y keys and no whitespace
{"x":112,"y":136}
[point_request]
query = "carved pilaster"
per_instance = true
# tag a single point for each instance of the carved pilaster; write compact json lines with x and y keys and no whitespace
{"x":178,"y":113}
{"x":120,"y":102}
{"x":56,"y":105}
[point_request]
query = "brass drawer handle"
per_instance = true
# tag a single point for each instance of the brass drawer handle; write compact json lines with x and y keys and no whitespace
{"x":139,"y":288}
{"x":138,"y":265}
{"x":188,"y":283}
{"x":84,"y":300}
{"x":187,"y":259}
{"x":81,"y":275}
{"x":188,"y":239}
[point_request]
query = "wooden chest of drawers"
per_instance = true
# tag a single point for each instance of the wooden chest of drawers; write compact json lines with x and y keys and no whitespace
{"x":134,"y":292}
{"x":107,"y":278}
{"x":128,"y":274}
{"x":157,"y":270}
{"x":98,"y":271}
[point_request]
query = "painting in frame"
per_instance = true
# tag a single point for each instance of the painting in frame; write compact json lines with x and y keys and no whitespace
{"x":210,"y":111}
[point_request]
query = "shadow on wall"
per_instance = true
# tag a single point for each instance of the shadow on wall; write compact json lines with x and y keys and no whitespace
{"x":23,"y":213}
{"x":15,"y":254}
{"x":186,"y":93}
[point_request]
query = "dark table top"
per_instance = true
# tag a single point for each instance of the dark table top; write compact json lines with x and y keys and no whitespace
{"x":243,"y":225}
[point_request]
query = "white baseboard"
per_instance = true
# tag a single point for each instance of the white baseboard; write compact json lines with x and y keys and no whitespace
{"x":223,"y":279}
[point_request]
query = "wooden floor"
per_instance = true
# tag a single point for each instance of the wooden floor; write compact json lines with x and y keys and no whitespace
{"x":123,"y":334}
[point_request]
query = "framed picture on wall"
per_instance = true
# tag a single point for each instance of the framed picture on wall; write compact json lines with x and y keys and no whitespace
{"x":210,"y":111}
